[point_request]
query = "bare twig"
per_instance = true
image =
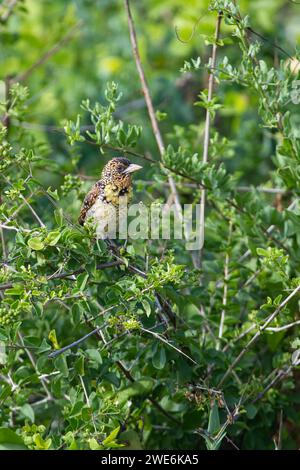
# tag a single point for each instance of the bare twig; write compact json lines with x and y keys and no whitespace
{"x":161,"y":338}
{"x":65,"y":275}
{"x":225,"y":291}
{"x":146,"y":92}
{"x":88,"y":402}
{"x":35,"y":215}
{"x":279,"y":441}
{"x":283,"y":327}
{"x":212,"y":63}
{"x":261,"y":189}
{"x":258,"y":334}
{"x":282,"y":373}
{"x":244,"y":333}
{"x":43,"y":381}
{"x":58,"y":352}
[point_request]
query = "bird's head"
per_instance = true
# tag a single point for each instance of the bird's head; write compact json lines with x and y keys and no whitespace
{"x":117,"y":178}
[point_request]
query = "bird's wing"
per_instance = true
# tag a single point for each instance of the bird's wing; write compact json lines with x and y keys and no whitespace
{"x":89,"y":201}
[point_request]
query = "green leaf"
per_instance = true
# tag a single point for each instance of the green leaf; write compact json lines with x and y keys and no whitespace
{"x":94,"y":445}
{"x":79,"y":365}
{"x":262,"y":252}
{"x":147,"y":307}
{"x":94,"y":355}
{"x":82,"y":280}
{"x":53,"y":339}
{"x":61,"y":364}
{"x":9,"y":440}
{"x":52,"y":238}
{"x":251,"y":411}
{"x":36,"y":243}
{"x":41,"y":443}
{"x":112,"y":436}
{"x":27,"y":411}
{"x":53,"y":194}
{"x":159,"y":358}
{"x":138,"y":388}
{"x":214,"y":420}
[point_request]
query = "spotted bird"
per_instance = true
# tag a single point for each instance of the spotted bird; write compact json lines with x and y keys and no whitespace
{"x":108,"y":197}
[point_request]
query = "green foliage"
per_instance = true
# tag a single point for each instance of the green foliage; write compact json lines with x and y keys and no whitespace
{"x":139,"y":381}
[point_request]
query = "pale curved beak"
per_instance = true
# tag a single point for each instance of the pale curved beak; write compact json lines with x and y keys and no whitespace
{"x":132,"y":168}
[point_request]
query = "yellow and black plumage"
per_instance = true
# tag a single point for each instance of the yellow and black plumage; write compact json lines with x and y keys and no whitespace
{"x":108,"y":196}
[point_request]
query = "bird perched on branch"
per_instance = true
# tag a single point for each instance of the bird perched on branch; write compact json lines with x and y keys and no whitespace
{"x":110,"y":195}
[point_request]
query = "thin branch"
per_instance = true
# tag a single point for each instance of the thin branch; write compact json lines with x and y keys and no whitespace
{"x":150,"y":107}
{"x":101,"y":266}
{"x":261,"y":189}
{"x":8,"y":227}
{"x":161,"y":338}
{"x":225,"y":291}
{"x":88,"y":402}
{"x":283,"y":327}
{"x":35,"y":215}
{"x":43,"y":381}
{"x":64,"y":275}
{"x":282,"y":374}
{"x":258,"y":334}
{"x":58,"y":352}
{"x":238,"y":338}
{"x":212,"y":63}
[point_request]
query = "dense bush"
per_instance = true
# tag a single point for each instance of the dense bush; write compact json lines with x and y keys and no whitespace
{"x":225,"y":373}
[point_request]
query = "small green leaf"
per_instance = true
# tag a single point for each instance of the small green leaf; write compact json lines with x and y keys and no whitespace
{"x":214,"y":420}
{"x":40,"y":443}
{"x":52,"y":238}
{"x":261,"y":252}
{"x":53,"y":194}
{"x":53,"y":339}
{"x":9,"y":440}
{"x":61,"y":364}
{"x":28,"y":412}
{"x":251,"y":411}
{"x":94,"y":355}
{"x":112,"y":436}
{"x":147,"y":307}
{"x":159,"y":358}
{"x":94,"y":445}
{"x":82,"y":280}
{"x":36,"y":243}
{"x":79,"y":365}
